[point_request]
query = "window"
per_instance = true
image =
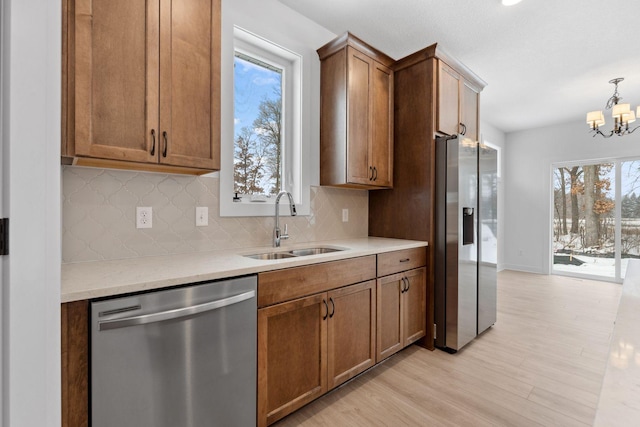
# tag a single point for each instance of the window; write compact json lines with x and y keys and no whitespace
{"x":267,"y":153}
{"x":596,"y":220}
{"x":257,"y":149}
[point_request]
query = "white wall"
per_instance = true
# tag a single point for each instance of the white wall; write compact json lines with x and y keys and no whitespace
{"x":497,"y":138}
{"x":31,"y":171}
{"x":529,"y":158}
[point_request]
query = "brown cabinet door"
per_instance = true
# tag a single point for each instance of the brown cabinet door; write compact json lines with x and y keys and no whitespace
{"x":382,"y":126}
{"x":469,"y":111}
{"x":448,"y":111}
{"x":351,"y":331}
{"x":190,"y":83}
{"x":359,"y":69}
{"x":389,"y":316}
{"x":115,"y":79}
{"x":415,"y":306}
{"x":292,"y":356}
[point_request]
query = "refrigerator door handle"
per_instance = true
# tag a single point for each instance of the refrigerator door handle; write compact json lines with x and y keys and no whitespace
{"x":468,"y":231}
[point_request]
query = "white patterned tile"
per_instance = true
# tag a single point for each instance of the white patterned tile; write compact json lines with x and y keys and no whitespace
{"x":99,"y":208}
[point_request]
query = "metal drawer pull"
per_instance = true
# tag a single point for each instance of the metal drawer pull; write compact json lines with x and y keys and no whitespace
{"x":405,"y":260}
{"x":166,"y":142}
{"x":153,"y":144}
{"x":174,"y":314}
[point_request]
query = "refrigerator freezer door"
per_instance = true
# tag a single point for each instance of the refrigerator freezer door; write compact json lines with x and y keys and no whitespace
{"x":488,"y":233}
{"x":455,"y":250}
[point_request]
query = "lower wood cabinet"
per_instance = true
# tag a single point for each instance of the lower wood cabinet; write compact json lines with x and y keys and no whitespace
{"x":310,"y":345}
{"x":401,"y":314}
{"x":319,"y":326}
{"x":74,"y":329}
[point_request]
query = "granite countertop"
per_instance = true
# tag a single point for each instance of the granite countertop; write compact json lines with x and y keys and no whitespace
{"x":97,"y":279}
{"x":619,"y":403}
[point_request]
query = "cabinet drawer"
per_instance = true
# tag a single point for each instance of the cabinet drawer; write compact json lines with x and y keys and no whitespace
{"x":394,"y":262}
{"x":283,"y":285}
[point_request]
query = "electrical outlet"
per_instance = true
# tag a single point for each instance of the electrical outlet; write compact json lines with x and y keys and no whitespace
{"x":144,"y":217}
{"x":202,"y":216}
{"x":345,"y":215}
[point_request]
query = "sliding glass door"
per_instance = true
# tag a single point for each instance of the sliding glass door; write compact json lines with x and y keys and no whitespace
{"x":596,"y":218}
{"x":629,"y":207}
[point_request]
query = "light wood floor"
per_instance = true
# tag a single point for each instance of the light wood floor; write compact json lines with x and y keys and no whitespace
{"x":542,"y":363}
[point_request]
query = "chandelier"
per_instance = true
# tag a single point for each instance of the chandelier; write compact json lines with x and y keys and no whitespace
{"x":621,"y":113}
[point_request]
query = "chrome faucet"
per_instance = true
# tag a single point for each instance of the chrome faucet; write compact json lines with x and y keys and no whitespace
{"x":277,"y":235}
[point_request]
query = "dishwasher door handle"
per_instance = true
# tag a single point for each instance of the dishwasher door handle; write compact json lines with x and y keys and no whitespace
{"x":175,"y":313}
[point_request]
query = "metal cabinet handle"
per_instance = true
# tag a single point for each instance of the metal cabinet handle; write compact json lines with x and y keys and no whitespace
{"x":175,"y":313}
{"x":464,"y":129}
{"x":153,"y":144}
{"x":375,"y":170}
{"x":333,"y":307}
{"x":403,"y":287}
{"x":406,"y":285}
{"x":405,"y":260}
{"x":370,"y":173}
{"x":166,"y":143}
{"x":326,"y":306}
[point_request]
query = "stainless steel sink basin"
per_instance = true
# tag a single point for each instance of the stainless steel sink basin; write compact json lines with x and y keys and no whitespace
{"x":293,"y":253}
{"x":313,"y":251}
{"x":271,"y":255}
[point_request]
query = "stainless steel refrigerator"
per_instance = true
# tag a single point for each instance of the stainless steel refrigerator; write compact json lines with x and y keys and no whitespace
{"x":465,"y":240}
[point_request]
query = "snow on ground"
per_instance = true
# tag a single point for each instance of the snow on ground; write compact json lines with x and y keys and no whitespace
{"x":605,"y":267}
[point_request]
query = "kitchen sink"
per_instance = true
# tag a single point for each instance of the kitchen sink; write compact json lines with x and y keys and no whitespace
{"x":271,"y":255}
{"x":293,"y":253}
{"x":313,"y":251}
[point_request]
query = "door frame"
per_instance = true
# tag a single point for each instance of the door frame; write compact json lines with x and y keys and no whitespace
{"x":31,"y":187}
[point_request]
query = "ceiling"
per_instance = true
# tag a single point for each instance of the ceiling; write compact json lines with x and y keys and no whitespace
{"x":545,"y":61}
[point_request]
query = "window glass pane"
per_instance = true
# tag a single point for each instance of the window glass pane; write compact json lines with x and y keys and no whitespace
{"x":258,"y":109}
{"x":630,"y":212}
{"x":584,"y":219}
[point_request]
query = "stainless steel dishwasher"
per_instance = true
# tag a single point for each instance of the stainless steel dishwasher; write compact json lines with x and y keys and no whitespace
{"x":184,"y":357}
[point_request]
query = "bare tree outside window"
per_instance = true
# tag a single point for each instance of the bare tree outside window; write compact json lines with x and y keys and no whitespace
{"x":258,"y":127}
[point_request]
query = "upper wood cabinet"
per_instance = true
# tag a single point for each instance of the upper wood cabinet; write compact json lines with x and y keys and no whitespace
{"x":457,"y":109}
{"x":356,"y":115}
{"x":141,"y":84}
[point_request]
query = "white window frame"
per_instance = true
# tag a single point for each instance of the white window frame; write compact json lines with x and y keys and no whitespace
{"x":295,"y":151}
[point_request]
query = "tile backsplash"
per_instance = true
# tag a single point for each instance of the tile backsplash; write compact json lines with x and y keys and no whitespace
{"x":99,"y":209}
